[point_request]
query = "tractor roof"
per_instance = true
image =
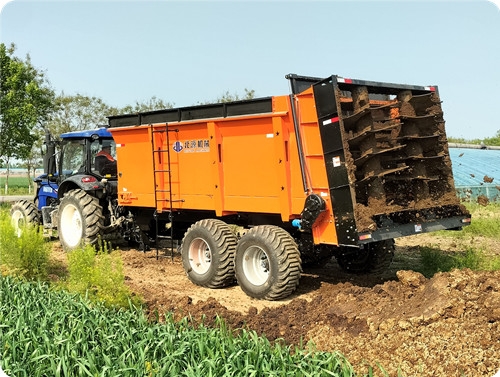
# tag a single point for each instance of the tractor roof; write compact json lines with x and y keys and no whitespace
{"x":96,"y":133}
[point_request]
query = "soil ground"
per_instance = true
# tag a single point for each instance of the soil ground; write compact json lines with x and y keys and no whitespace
{"x":446,"y":325}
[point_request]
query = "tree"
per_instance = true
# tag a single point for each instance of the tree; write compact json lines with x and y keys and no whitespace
{"x":33,"y":160}
{"x":76,"y":113}
{"x":79,"y":112}
{"x":229,"y":97}
{"x":495,"y":140}
{"x":154,"y":103}
{"x":489,"y":141}
{"x":26,"y":100}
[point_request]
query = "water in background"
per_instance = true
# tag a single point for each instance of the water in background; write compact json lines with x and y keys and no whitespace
{"x":476,"y":173}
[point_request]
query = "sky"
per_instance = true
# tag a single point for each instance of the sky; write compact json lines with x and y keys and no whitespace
{"x":186,"y":52}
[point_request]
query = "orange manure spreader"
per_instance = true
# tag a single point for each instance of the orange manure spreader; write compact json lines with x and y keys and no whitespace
{"x":255,"y":189}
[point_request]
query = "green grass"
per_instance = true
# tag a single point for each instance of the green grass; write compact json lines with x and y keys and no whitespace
{"x":18,"y":185}
{"x":53,"y":333}
{"x":99,"y":276}
{"x":5,"y":206}
{"x":436,"y":260}
{"x":24,"y":254}
{"x":472,"y":242}
{"x":485,"y":220}
{"x":485,"y":223}
{"x":96,"y":274}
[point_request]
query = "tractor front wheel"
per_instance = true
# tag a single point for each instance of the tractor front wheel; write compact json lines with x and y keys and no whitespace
{"x":23,"y":213}
{"x":80,"y":220}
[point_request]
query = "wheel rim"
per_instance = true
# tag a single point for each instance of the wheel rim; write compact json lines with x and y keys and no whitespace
{"x":17,"y":221}
{"x":256,"y":265}
{"x":200,"y":256}
{"x":71,"y":225}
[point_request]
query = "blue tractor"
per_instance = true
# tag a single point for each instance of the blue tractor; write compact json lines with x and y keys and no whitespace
{"x":76,"y":195}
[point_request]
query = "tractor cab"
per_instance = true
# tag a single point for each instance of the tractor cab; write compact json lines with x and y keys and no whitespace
{"x":87,"y":160}
{"x":90,"y":152}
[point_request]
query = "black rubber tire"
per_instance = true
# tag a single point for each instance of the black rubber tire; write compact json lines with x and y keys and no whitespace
{"x":23,"y":213}
{"x":267,"y":263}
{"x":375,"y":258}
{"x":207,"y":251}
{"x":80,"y":220}
{"x":319,"y":257}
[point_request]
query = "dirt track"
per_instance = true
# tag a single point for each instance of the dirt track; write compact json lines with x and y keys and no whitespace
{"x":448,"y":325}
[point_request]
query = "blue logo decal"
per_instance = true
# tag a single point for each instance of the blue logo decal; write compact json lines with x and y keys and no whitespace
{"x":178,"y":146}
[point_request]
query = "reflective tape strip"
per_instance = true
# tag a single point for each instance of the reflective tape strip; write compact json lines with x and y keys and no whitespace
{"x":342,"y":79}
{"x":329,"y":121}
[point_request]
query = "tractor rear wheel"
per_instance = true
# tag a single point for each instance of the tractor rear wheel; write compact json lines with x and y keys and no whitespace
{"x":23,"y":213}
{"x":267,"y":263}
{"x":207,"y":253}
{"x":80,"y":220}
{"x":375,"y":258}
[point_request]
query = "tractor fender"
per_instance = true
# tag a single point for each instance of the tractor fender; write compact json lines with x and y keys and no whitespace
{"x":85,"y":182}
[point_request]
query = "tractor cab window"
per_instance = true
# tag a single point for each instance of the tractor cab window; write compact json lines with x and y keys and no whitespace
{"x":103,"y":157}
{"x":73,"y":158}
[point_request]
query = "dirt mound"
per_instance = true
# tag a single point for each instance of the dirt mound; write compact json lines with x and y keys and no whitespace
{"x":448,"y":325}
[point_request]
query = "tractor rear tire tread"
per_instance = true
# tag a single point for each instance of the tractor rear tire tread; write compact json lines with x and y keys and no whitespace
{"x":91,"y":213}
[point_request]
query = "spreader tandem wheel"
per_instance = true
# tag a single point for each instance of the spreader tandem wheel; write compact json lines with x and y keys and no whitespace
{"x":208,"y":253}
{"x":375,"y":258}
{"x":267,"y":263}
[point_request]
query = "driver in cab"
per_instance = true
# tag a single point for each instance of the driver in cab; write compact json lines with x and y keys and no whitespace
{"x":105,"y":163}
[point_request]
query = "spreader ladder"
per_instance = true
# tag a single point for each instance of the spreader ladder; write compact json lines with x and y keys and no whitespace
{"x":162,"y":168}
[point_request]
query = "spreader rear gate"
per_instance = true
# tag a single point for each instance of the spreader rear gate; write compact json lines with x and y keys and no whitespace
{"x":386,"y":157}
